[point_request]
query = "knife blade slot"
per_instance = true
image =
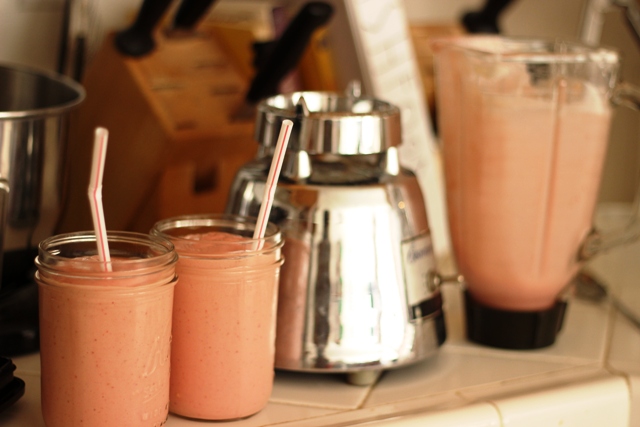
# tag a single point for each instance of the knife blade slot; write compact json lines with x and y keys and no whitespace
{"x":205,"y":181}
{"x":224,"y":89}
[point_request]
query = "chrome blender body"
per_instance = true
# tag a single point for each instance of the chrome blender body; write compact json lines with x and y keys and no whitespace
{"x":354,"y":292}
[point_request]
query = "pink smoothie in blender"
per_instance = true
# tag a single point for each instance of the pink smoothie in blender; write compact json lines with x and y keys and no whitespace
{"x":524,"y":127}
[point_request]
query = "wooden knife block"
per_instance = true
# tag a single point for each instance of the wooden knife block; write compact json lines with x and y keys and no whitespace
{"x":174,"y":145}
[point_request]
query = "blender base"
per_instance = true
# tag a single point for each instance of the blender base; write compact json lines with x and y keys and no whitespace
{"x":363,"y":378}
{"x":513,"y":330}
{"x":429,"y":335}
{"x":19,"y":330}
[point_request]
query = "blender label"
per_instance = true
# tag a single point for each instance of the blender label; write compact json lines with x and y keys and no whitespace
{"x":417,"y":261}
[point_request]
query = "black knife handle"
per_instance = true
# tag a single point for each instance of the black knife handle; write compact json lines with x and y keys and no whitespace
{"x":137,"y":40}
{"x":190,"y":12}
{"x":485,"y":20}
{"x":288,"y":50}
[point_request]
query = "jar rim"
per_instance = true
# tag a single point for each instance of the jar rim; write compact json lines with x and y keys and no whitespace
{"x":56,"y":253}
{"x":176,"y":228}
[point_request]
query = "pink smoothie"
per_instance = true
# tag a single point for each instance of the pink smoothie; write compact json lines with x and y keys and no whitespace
{"x":223,"y":327}
{"x":522,"y":179}
{"x":105,"y":345}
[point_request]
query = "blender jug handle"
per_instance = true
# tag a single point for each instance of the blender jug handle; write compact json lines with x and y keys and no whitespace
{"x":627,"y":95}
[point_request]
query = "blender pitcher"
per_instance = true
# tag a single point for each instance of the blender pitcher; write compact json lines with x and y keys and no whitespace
{"x":524,"y":126}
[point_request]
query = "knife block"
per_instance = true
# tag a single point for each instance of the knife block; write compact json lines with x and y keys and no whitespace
{"x":174,"y":145}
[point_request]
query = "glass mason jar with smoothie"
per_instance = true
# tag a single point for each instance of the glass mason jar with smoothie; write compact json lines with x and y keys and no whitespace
{"x":224,"y":319}
{"x":105,"y":333}
{"x":524,"y":126}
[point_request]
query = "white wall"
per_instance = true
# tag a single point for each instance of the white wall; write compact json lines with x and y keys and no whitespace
{"x":30,"y":30}
{"x":28,"y":33}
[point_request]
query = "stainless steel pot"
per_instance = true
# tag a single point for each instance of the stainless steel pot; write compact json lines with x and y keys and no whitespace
{"x":33,"y":106}
{"x":354,"y":294}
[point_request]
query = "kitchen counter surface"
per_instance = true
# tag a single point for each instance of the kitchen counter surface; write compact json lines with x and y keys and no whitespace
{"x":589,"y":377}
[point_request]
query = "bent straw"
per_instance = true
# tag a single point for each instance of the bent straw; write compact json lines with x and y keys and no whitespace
{"x":272,"y":179}
{"x":101,"y":135}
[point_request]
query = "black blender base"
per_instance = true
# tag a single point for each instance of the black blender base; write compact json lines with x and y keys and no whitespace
{"x":514,"y":330}
{"x":19,"y":331}
{"x":19,"y":343}
{"x":11,"y":387}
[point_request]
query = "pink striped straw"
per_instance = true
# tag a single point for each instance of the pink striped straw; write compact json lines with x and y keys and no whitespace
{"x":101,"y":136}
{"x":272,"y":179}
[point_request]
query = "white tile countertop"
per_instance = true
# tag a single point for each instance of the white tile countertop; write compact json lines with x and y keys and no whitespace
{"x":589,"y":377}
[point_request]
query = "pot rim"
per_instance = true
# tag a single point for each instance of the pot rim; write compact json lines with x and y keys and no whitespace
{"x":49,"y":110}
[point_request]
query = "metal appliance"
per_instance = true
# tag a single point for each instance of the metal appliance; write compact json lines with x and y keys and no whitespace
{"x":33,"y":107}
{"x":354,"y":295}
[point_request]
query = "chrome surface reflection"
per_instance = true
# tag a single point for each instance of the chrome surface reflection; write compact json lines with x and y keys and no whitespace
{"x":354,"y":288}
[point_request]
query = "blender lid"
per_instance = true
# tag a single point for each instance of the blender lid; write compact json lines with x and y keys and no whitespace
{"x":329,"y":123}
